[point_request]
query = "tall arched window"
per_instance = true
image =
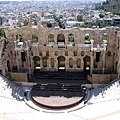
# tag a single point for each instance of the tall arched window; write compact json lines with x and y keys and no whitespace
{"x":19,"y":38}
{"x":61,"y":38}
{"x":36,"y":61}
{"x":50,"y":38}
{"x":71,"y":38}
{"x":34,"y":38}
{"x":87,"y":38}
{"x":105,"y":36}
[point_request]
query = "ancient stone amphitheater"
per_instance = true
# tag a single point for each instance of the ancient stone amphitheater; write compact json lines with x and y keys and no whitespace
{"x":53,"y":73}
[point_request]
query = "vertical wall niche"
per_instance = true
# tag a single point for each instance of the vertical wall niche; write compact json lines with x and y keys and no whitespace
{"x":82,"y":53}
{"x":66,"y":53}
{"x":75,"y":53}
{"x":52,"y":62}
{"x":56,"y":53}
{"x":47,"y":53}
{"x":31,"y":53}
{"x":71,"y":63}
{"x":40,"y":53}
{"x":36,"y":60}
{"x":78,"y":63}
{"x":44,"y":62}
{"x":8,"y":65}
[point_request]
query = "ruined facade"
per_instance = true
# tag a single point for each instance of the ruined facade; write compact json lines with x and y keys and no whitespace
{"x":54,"y":49}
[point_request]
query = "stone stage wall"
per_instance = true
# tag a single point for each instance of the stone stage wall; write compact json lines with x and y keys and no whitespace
{"x":19,"y":77}
{"x":101,"y":78}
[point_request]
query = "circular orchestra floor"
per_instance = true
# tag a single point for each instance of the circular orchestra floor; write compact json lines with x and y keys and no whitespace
{"x":57,"y":96}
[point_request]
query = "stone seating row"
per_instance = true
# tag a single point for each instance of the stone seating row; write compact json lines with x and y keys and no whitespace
{"x":108,"y":93}
{"x":11,"y":98}
{"x":12,"y":106}
{"x":10,"y":89}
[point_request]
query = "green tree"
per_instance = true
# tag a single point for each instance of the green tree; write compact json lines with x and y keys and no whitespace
{"x":87,"y":37}
{"x":20,"y":38}
{"x":71,"y":38}
{"x":51,"y":38}
{"x":2,"y":33}
{"x":35,"y":38}
{"x":80,"y":18}
{"x":101,"y":15}
{"x":104,"y":36}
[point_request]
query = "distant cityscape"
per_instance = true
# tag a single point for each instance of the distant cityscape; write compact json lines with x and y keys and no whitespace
{"x":57,"y":13}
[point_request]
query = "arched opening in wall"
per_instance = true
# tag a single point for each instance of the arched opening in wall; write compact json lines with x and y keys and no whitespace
{"x":82,"y":53}
{"x":71,"y":38}
{"x":109,"y":53}
{"x":47,"y":53}
{"x":0,"y":72}
{"x":86,"y":60}
{"x":34,"y":38}
{"x":61,"y":63}
{"x":50,"y":38}
{"x":78,"y":63}
{"x":23,"y":56}
{"x":87,"y":38}
{"x":71,"y":63}
{"x":95,"y":63}
{"x":34,"y":20}
{"x":44,"y":62}
{"x":8,"y":65}
{"x":52,"y":62}
{"x":61,"y":38}
{"x":19,"y":38}
{"x":105,"y":36}
{"x":36,"y":60}
{"x":98,"y":56}
{"x":75,"y":53}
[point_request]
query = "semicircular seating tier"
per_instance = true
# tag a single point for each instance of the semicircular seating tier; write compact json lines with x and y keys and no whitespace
{"x":106,"y":93}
